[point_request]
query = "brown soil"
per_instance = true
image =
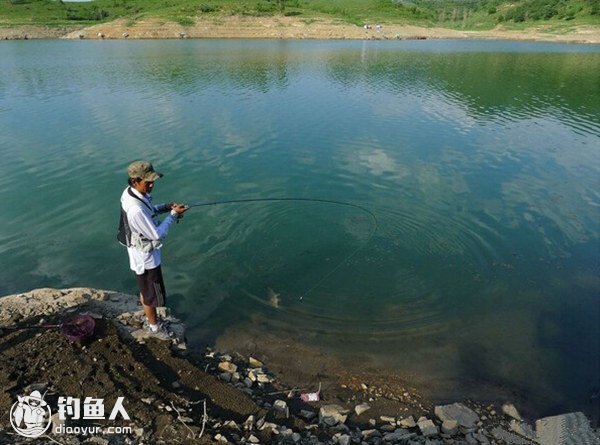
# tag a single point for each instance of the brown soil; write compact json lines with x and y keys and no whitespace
{"x":108,"y":367}
{"x":281,"y":27}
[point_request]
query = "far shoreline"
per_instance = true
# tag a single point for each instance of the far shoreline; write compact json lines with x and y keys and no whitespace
{"x":285,"y":28}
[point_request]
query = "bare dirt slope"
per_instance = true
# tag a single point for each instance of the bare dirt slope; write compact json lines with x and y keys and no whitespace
{"x":280,"y":27}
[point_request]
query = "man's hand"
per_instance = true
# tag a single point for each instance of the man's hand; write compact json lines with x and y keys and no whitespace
{"x":180,"y":209}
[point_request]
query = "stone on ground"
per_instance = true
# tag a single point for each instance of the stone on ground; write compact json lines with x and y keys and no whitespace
{"x":464,"y":417}
{"x":566,"y":429}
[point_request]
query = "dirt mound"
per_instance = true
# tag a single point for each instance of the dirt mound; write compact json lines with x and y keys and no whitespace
{"x":159,"y":385}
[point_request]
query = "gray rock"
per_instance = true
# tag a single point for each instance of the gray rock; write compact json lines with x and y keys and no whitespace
{"x":281,"y":406}
{"x":308,"y":415}
{"x":523,"y":429}
{"x":466,"y":431}
{"x":263,"y":378}
{"x":510,"y":410}
{"x":296,"y":437}
{"x":409,"y":422}
{"x":398,"y":435}
{"x":231,"y":424}
{"x":332,"y":414}
{"x":344,"y":439}
{"x":220,"y":438}
{"x":427,"y":428}
{"x":388,"y":428}
{"x":227,"y":367}
{"x":508,"y":437}
{"x":253,"y":439}
{"x":56,"y":421}
{"x":370,"y":433}
{"x":140,"y":334}
{"x":463,"y":416}
{"x":481,"y":439}
{"x":340,"y":428}
{"x":249,"y":423}
{"x":270,"y":425}
{"x":566,"y":429}
{"x":363,"y":407}
{"x":254,"y":363}
{"x":96,"y":441}
{"x":285,"y":431}
{"x":471,"y":440}
{"x":450,"y":427}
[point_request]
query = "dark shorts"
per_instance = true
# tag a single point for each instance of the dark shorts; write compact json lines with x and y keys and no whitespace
{"x":152,"y":287}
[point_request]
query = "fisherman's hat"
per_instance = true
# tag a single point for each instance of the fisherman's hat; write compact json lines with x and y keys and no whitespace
{"x":143,"y":170}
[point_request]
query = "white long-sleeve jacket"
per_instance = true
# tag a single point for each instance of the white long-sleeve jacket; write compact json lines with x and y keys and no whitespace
{"x":141,"y":221}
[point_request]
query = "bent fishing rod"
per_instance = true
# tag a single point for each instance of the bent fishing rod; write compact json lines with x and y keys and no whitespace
{"x":326,"y":201}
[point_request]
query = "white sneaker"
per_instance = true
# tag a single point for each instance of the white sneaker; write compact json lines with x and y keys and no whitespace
{"x":162,"y":333}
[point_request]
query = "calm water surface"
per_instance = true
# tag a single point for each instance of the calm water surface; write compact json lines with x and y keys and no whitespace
{"x":480,"y":161}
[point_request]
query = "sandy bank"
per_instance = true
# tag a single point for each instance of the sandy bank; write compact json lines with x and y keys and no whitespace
{"x":286,"y":28}
{"x":165,"y":386}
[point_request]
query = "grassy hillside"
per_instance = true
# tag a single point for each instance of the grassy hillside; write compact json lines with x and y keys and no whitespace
{"x":485,"y":14}
{"x":470,"y":14}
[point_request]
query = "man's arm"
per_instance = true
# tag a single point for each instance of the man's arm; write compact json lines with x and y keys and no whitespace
{"x":141,"y":223}
{"x":163,"y":208}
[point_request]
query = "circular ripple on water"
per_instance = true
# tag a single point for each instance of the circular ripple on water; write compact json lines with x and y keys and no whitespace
{"x":413,"y":278}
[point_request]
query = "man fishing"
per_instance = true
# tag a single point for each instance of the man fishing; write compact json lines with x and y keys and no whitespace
{"x":143,"y":235}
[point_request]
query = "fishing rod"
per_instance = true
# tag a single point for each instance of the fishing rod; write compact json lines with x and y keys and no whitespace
{"x":326,"y":201}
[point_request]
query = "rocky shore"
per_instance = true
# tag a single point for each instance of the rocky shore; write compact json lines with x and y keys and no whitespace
{"x":282,"y":27}
{"x":174,"y":395}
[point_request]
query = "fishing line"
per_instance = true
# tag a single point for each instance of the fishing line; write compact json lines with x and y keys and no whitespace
{"x":326,"y":201}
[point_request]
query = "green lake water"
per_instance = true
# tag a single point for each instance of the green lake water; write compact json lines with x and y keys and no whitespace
{"x":479,"y":160}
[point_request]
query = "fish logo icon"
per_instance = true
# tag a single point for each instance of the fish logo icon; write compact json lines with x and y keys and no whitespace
{"x":30,"y":415}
